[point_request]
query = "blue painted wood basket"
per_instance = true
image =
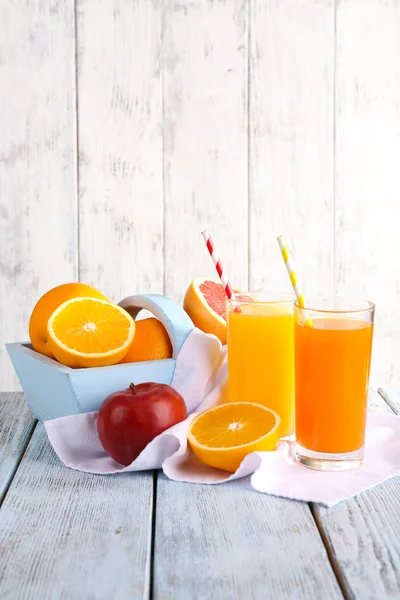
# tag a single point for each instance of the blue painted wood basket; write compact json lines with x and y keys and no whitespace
{"x":53,"y":390}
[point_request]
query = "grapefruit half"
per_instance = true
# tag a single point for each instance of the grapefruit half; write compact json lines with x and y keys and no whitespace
{"x":205,"y":303}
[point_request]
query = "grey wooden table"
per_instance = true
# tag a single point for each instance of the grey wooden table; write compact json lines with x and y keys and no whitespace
{"x":65,"y":534}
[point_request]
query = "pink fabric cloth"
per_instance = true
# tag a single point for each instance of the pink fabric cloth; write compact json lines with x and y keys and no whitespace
{"x":201,"y":376}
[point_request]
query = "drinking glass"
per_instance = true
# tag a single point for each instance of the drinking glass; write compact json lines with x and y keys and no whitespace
{"x":332,"y":366}
{"x":261,"y":353}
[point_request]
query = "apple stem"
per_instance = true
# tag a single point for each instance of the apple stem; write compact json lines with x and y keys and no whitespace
{"x":132,"y":386}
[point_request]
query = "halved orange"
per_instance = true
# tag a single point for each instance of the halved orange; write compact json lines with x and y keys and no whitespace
{"x":222,"y":436}
{"x":89,"y":332}
{"x":47,"y":304}
{"x":205,"y":303}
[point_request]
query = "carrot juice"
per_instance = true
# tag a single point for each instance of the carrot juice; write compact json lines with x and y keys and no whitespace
{"x":332,"y":365}
{"x":261,"y":356}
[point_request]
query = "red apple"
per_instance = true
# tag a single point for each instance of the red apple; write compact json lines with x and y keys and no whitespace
{"x":128,"y":420}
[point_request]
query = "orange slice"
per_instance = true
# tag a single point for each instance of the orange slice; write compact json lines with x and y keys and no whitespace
{"x":205,"y":303}
{"x":222,"y":436}
{"x":89,"y":332}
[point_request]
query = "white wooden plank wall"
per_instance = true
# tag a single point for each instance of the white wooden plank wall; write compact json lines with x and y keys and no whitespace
{"x":367,"y":170}
{"x":127,"y":126}
{"x":291,"y":141}
{"x":38,"y":191}
{"x":205,"y":138}
{"x":120,"y":145}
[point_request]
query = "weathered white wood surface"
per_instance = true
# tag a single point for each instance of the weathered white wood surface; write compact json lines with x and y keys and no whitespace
{"x":291,"y":141}
{"x":392,"y":398}
{"x":121,"y":237}
{"x":377,"y":403}
{"x":16,"y":427}
{"x":249,"y":117}
{"x":363,"y":536}
{"x":38,"y":225}
{"x":367,"y":174}
{"x":227,"y":541}
{"x":67,"y":534}
{"x":205,"y":139}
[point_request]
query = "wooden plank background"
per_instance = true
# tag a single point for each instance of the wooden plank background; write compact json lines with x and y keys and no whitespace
{"x":128,"y":126}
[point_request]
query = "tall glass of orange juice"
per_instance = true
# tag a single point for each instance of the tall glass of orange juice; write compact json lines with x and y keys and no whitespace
{"x":261,"y":353}
{"x":332,"y":365}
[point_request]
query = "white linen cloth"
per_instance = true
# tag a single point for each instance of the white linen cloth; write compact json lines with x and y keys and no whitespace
{"x":200,"y":377}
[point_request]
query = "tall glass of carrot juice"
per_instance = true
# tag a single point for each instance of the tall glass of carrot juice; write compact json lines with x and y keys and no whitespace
{"x":261,"y":353}
{"x":332,"y":363}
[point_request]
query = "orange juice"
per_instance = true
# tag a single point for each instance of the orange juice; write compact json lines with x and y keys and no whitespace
{"x":332,"y":374}
{"x":261,"y":357}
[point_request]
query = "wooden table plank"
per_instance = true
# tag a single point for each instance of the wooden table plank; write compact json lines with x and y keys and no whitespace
{"x":16,"y":427}
{"x":376,"y":403}
{"x":392,"y":398}
{"x":363,"y":536}
{"x":227,"y":541}
{"x":67,"y":534}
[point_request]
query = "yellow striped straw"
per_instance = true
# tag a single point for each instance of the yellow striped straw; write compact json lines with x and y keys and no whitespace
{"x":293,"y":278}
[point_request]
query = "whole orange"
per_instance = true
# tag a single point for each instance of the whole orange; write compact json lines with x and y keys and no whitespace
{"x":151,"y":342}
{"x":48,"y":304}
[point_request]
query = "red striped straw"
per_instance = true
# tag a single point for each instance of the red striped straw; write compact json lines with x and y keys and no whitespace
{"x":218,"y":265}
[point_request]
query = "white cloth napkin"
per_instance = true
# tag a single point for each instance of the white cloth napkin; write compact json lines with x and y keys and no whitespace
{"x":201,"y":377}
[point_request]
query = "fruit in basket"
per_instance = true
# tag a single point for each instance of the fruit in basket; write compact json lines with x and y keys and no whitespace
{"x":47,"y":304}
{"x":222,"y":436}
{"x":90,"y":332}
{"x":151,"y":342}
{"x":205,"y":303}
{"x":128,"y":420}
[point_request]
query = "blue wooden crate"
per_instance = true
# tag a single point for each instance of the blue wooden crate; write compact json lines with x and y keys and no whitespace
{"x":53,"y":390}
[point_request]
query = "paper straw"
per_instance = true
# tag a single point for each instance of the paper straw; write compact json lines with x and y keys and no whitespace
{"x":218,"y":265}
{"x":293,"y":278}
